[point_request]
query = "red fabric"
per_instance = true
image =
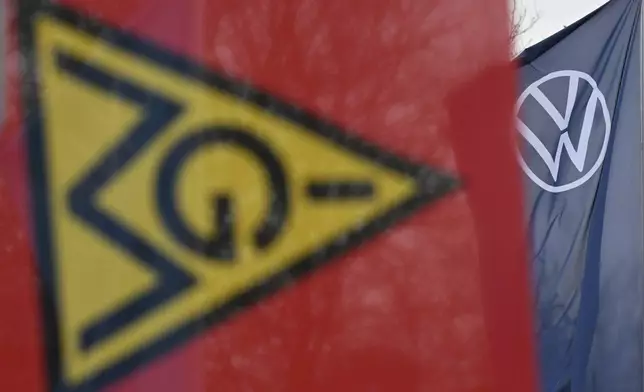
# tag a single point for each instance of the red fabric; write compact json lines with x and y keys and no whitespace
{"x":439,"y":302}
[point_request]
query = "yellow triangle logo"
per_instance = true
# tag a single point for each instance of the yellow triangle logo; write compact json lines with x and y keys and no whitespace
{"x":168,"y":196}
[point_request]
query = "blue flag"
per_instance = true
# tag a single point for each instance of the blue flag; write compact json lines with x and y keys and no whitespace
{"x":579,"y":121}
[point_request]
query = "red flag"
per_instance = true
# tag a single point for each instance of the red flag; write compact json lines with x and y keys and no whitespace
{"x":235,"y":196}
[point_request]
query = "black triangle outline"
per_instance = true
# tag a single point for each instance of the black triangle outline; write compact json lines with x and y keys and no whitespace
{"x":432,"y":185}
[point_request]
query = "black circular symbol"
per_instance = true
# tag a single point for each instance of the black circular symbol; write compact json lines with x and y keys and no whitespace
{"x":221,"y":244}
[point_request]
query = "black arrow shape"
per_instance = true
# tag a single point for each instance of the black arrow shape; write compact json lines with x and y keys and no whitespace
{"x":159,"y":111}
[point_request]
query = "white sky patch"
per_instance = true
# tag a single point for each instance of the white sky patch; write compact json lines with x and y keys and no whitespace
{"x":553,"y":15}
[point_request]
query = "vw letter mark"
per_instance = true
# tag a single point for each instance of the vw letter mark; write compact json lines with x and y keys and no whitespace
{"x":586,"y":162}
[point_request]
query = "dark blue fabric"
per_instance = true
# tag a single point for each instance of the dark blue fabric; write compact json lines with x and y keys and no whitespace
{"x":586,"y":236}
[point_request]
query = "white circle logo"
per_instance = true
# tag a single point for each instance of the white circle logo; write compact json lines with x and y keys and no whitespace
{"x":550,"y":164}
